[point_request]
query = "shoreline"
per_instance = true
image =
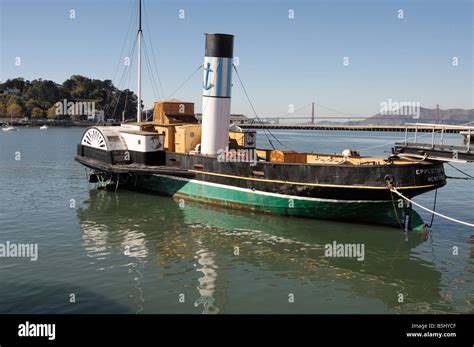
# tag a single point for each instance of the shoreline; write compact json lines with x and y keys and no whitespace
{"x":256,"y":126}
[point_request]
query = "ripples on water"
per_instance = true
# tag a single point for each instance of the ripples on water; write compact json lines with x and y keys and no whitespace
{"x":129,"y":252}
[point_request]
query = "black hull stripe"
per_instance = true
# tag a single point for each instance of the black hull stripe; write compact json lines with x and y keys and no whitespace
{"x":308,"y":191}
{"x":310,"y":184}
{"x":216,"y":97}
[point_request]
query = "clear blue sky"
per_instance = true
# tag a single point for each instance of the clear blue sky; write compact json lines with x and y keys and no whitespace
{"x":282,"y":61}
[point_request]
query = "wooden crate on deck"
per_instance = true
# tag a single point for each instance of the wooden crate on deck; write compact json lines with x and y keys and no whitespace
{"x":264,"y":154}
{"x":169,"y":131}
{"x":187,"y":137}
{"x":174,"y":111}
{"x":278,"y":156}
{"x":242,"y":139}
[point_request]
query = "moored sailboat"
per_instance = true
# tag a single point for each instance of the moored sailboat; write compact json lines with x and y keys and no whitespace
{"x":10,"y":127}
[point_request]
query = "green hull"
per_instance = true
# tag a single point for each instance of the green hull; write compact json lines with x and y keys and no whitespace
{"x":374,"y":212}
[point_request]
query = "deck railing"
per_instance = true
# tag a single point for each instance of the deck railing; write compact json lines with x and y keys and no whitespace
{"x":438,"y":128}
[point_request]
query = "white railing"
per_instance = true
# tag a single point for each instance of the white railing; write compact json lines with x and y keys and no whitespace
{"x":439,"y":128}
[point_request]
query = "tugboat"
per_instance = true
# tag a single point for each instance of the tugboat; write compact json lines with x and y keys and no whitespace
{"x":176,"y":156}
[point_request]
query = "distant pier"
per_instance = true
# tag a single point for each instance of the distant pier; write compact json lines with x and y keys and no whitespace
{"x":392,"y":128}
{"x":450,"y":129}
{"x":436,"y":149}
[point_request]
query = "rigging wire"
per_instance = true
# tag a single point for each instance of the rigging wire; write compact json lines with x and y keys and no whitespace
{"x":154,"y":87}
{"x":255,"y":112}
{"x":128,"y":81}
{"x":459,"y":178}
{"x":459,"y":170}
{"x":185,"y":81}
{"x":126,"y":73}
{"x":290,"y":113}
{"x":127,"y":94}
{"x":132,"y":16}
{"x":153,"y":50}
{"x":108,"y":105}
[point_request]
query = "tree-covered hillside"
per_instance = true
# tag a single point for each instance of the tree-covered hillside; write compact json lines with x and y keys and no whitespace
{"x":37,"y":98}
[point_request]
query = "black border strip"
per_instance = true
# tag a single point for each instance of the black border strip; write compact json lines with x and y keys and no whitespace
{"x":320,"y":329}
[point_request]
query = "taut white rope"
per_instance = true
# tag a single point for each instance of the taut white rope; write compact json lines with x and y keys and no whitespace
{"x":433,"y":212}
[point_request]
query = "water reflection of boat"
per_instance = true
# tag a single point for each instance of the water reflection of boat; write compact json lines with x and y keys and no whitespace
{"x":206,"y":236}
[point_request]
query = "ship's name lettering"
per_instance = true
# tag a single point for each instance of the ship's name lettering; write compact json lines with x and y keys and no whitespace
{"x":428,"y":171}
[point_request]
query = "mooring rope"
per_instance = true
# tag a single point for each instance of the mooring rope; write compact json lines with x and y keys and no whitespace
{"x":469,"y":177}
{"x":434,"y":208}
{"x":394,"y":190}
{"x":460,"y":178}
{"x":396,"y":213}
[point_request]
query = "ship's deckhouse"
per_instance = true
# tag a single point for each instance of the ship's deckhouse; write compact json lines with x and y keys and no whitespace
{"x":126,"y":145}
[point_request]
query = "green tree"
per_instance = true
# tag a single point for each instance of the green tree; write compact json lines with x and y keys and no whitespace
{"x":32,"y":104}
{"x":37,"y":112}
{"x":126,"y":101}
{"x":44,"y":94}
{"x":19,"y":83}
{"x":3,"y":110}
{"x":52,"y":113}
{"x":15,"y":99}
{"x":43,"y":91}
{"x":14,"y":110}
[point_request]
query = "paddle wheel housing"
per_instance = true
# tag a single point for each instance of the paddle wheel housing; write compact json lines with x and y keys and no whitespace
{"x":114,"y":145}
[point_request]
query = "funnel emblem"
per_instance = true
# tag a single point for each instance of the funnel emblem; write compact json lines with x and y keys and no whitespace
{"x":207,"y":85}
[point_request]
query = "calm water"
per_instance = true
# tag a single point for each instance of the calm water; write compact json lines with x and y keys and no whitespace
{"x":130,"y":252}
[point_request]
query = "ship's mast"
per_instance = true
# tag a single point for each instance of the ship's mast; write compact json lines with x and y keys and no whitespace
{"x":139,"y":89}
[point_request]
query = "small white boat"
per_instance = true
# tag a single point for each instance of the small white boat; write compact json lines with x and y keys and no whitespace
{"x":44,"y":127}
{"x":9,"y":128}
